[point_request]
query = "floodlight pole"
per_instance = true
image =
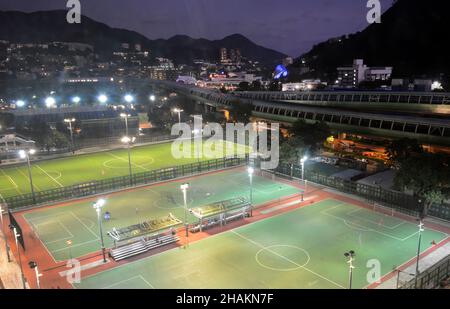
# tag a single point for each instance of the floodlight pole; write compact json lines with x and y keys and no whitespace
{"x":302,"y":162}
{"x":184,"y":188}
{"x":250,"y":175}
{"x":33,"y":265}
{"x":350,"y":255}
{"x":69,"y":121}
{"x":98,"y":209}
{"x":16,"y":236}
{"x":421,"y":229}
{"x":30,"y":176}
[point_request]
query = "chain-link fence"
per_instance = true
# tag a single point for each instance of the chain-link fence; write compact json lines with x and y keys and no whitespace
{"x":399,"y":201}
{"x":116,"y":183}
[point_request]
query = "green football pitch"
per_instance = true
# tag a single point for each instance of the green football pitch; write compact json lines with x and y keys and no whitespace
{"x":299,"y":249}
{"x":68,"y":171}
{"x":78,"y":221}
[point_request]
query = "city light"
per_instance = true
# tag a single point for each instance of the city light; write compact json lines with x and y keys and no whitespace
{"x":102,"y":98}
{"x":152,"y":98}
{"x":129,"y":98}
{"x":50,"y":102}
{"x":20,"y":103}
{"x":76,"y":99}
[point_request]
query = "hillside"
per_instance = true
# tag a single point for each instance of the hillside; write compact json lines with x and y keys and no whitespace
{"x":50,"y":26}
{"x":412,"y":38}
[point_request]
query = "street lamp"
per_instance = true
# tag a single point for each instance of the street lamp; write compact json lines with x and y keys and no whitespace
{"x":125,"y":116}
{"x":24,"y":154}
{"x":421,"y":229}
{"x":33,"y":265}
{"x":196,"y":133}
{"x":302,"y":162}
{"x":50,"y":102}
{"x":4,"y":234}
{"x":152,"y":98}
{"x":127,"y":140}
{"x":350,"y":257}
{"x":184,"y":188}
{"x":98,"y":208}
{"x":102,"y":98}
{"x":70,"y":121}
{"x":128,"y":98}
{"x":20,"y":103}
{"x":76,"y":100}
{"x":16,"y":237}
{"x":250,"y":171}
{"x":179,"y":111}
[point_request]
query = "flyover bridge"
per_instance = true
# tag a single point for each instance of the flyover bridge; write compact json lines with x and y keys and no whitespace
{"x":423,"y":116}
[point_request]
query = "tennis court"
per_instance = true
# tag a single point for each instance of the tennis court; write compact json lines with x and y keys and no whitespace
{"x":57,"y":173}
{"x":77,"y":221}
{"x":300,"y":249}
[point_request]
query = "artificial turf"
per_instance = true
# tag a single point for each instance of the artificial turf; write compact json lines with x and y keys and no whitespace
{"x":303,"y":248}
{"x":50,"y":174}
{"x":78,"y":222}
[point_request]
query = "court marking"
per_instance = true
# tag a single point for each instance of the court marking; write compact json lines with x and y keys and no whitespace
{"x":50,"y":176}
{"x":362,"y":227}
{"x":129,"y":279}
{"x":107,"y":165}
{"x":12,"y":181}
{"x":350,"y":213}
{"x":28,"y":178}
{"x":287,"y":259}
{"x":268,"y":248}
{"x":119,"y":158}
{"x":88,"y":228}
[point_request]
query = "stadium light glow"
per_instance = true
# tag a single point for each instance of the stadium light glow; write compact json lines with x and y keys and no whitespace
{"x":184,"y":187}
{"x":98,"y":208}
{"x":76,"y":99}
{"x":50,"y":102}
{"x":102,"y":98}
{"x":25,"y":154}
{"x":128,"y":98}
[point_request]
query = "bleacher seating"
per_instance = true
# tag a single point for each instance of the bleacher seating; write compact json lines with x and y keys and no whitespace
{"x":141,"y":246}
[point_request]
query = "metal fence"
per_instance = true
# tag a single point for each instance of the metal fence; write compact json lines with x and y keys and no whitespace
{"x":116,"y":183}
{"x":432,"y":277}
{"x":399,"y":201}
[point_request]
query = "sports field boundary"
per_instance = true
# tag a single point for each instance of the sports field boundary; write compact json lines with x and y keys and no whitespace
{"x":73,"y":192}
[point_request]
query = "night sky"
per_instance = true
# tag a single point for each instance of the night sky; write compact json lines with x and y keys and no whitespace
{"x":290,"y":26}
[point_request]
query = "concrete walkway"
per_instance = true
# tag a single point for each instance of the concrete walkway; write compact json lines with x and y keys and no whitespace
{"x":9,"y":272}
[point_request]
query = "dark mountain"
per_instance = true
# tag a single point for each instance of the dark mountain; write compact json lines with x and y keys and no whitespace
{"x":412,"y":37}
{"x":52,"y":26}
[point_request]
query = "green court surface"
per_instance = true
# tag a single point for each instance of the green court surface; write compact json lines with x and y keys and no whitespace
{"x":303,"y":248}
{"x":78,"y":221}
{"x":68,"y":171}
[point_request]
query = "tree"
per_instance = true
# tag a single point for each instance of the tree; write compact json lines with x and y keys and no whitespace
{"x":428,"y":175}
{"x":244,"y":86}
{"x":291,"y":150}
{"x":313,"y":135}
{"x":256,"y":86}
{"x":400,"y":150}
{"x":240,"y":112}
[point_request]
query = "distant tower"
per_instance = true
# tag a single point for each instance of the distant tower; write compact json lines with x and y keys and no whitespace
{"x":223,"y":55}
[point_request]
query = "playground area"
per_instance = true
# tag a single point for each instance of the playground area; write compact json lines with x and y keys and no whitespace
{"x":58,"y":173}
{"x":303,"y":248}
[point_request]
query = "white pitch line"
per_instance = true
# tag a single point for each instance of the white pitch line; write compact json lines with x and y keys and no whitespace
{"x":285,"y":258}
{"x":129,"y":279}
{"x":16,"y":187}
{"x":51,"y":177}
{"x":87,"y":227}
{"x":119,"y":158}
